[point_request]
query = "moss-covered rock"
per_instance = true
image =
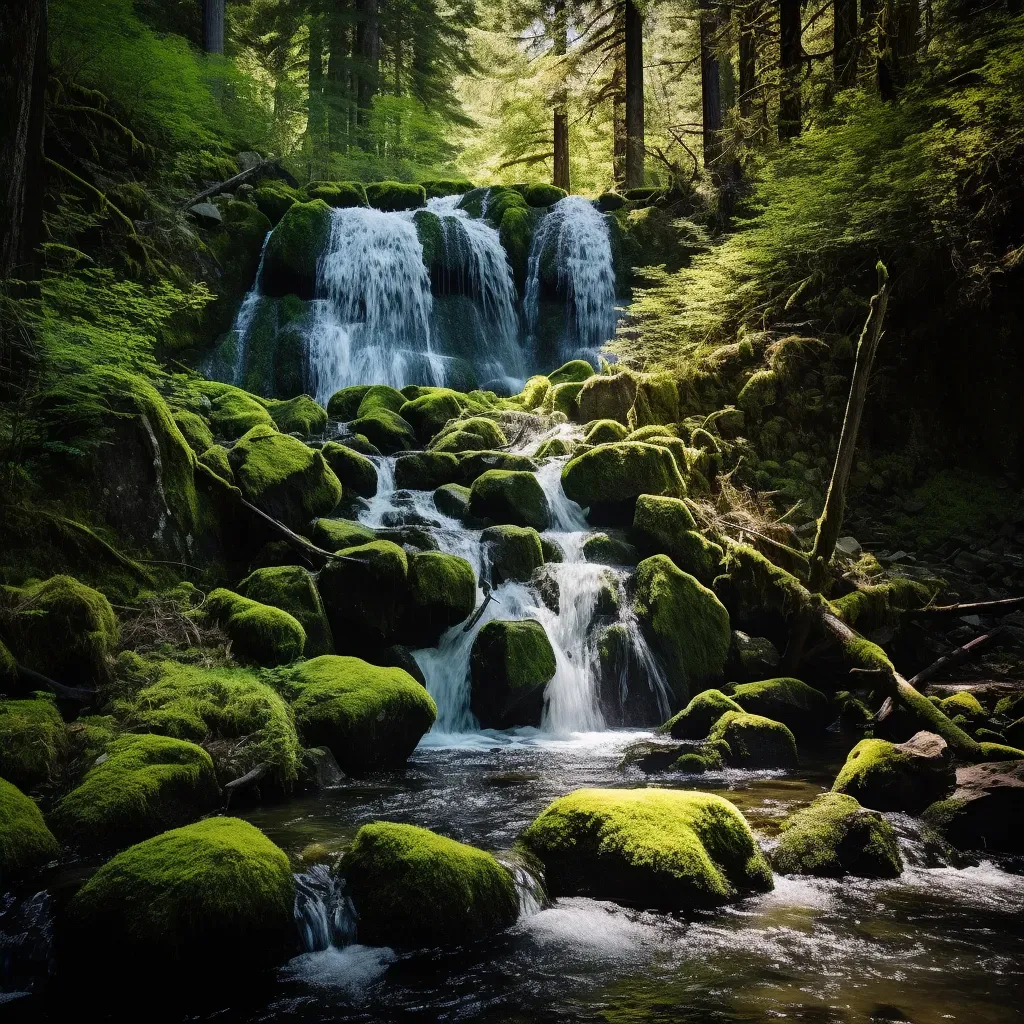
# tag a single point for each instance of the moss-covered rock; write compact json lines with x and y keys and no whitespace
{"x":605,"y":432}
{"x":562,"y":398}
{"x":576,"y":371}
{"x":234,"y":413}
{"x":336,"y":534}
{"x":755,"y":741}
{"x":426,"y":471}
{"x":386,"y":430}
{"x":381,"y":396}
{"x":802,"y":708}
{"x":609,"y":550}
{"x":505,"y":496}
{"x":534,"y":391}
{"x":656,"y":401}
{"x":337,"y":194}
{"x":63,"y":629}
{"x":298,"y":415}
{"x":356,"y":472}
{"x":391,"y":196}
{"x":869,"y":608}
{"x":283,"y":477}
{"x":194,"y":429}
{"x":696,"y":720}
{"x":664,"y":525}
{"x":613,"y":476}
{"x":216,"y":459}
{"x":295,"y":247}
{"x":25,"y":841}
{"x":438,"y":188}
{"x":473,"y":464}
{"x":430,"y":413}
{"x":370,"y":718}
{"x":514,"y":552}
{"x":33,"y":741}
{"x":488,"y":435}
{"x":274,"y":199}
{"x":510,"y":664}
{"x":667,"y":849}
{"x":515,"y":232}
{"x":963,"y":703}
{"x":685,"y":623}
{"x":985,"y":810}
{"x":412,"y":887}
{"x":344,"y":404}
{"x":543,"y":194}
{"x":607,"y":397}
{"x":897,"y":777}
{"x":834,"y":837}
{"x":442,"y":592}
{"x":143,"y":786}
{"x":293,"y":589}
{"x":209,"y":894}
{"x":452,"y":500}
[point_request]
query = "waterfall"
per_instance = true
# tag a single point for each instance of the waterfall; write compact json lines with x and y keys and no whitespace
{"x":324,"y":914}
{"x":244,"y":319}
{"x":575,"y":235}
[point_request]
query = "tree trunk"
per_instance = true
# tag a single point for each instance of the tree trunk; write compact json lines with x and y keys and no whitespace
{"x":213,"y":26}
{"x":23,"y":71}
{"x":899,"y":27}
{"x":560,"y":31}
{"x":844,"y":43}
{"x":369,"y":56}
{"x":747,"y":57}
{"x":316,"y":125}
{"x":790,"y":54}
{"x":710,"y":86}
{"x":337,"y":82}
{"x":634,"y":96}
{"x":619,"y":111}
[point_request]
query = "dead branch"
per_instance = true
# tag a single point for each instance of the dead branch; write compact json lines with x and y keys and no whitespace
{"x":221,"y":186}
{"x":970,"y":608}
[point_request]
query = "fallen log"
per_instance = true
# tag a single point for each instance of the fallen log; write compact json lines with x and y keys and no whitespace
{"x":37,"y":680}
{"x":239,"y":179}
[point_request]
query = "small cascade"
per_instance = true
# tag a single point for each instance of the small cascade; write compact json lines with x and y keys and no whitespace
{"x":575,"y":236}
{"x":324,"y":914}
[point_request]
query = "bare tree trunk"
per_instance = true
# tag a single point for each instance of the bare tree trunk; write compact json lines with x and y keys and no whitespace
{"x":747,"y":59}
{"x":710,"y":86}
{"x":213,"y":26}
{"x":23,"y":71}
{"x":619,"y":110}
{"x":560,"y":126}
{"x":790,"y":54}
{"x":844,"y":43}
{"x":634,"y":96}
{"x":317,"y":124}
{"x":369,"y":54}
{"x":336,"y":84}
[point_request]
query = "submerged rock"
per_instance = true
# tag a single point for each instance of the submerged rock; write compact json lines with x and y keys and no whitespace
{"x":754,"y":741}
{"x":667,"y":849}
{"x":510,"y":665}
{"x":412,"y":887}
{"x":986,"y":809}
{"x":25,"y":841}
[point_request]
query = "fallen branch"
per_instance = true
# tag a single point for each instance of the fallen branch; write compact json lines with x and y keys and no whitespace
{"x":221,"y":186}
{"x":954,"y":657}
{"x":479,"y":612}
{"x":970,"y":608}
{"x":254,"y":776}
{"x":73,"y":693}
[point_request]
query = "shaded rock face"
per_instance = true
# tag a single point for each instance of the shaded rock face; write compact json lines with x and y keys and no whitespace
{"x":986,"y":811}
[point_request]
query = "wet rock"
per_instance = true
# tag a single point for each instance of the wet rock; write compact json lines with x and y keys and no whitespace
{"x":849,"y":547}
{"x":751,"y":657}
{"x":802,"y":708}
{"x":696,"y":720}
{"x":509,"y":497}
{"x":515,"y":552}
{"x":609,"y":550}
{"x":754,"y":741}
{"x":442,"y":592}
{"x":207,"y":214}
{"x":986,"y":809}
{"x":321,"y":769}
{"x":293,"y":589}
{"x":607,"y":397}
{"x":510,"y":664}
{"x":652,"y":756}
{"x":452,"y":500}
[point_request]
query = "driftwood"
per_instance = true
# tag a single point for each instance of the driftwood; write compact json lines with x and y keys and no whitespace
{"x":245,"y":780}
{"x":479,"y":612}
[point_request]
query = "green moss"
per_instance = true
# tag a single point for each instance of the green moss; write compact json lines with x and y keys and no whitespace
{"x":274,"y":199}
{"x":802,"y":708}
{"x":686,"y":624}
{"x":599,"y":547}
{"x":214,"y":892}
{"x":337,"y":194}
{"x":695,"y":721}
{"x":759,"y":585}
{"x":607,"y":397}
{"x":885,"y":777}
{"x":391,"y":196}
{"x":25,"y":841}
{"x":369,"y":717}
{"x":440,"y":187}
{"x":199,"y":704}
{"x":488,"y":432}
{"x":299,"y":415}
{"x":344,"y":404}
{"x":619,"y":473}
{"x":442,"y":592}
{"x":576,"y":371}
{"x":963,"y":703}
{"x":501,"y":199}
{"x":430,"y":232}
{"x":656,"y":401}
{"x":430,"y":413}
{"x":146,"y":785}
{"x":759,"y":392}
{"x":668,"y":849}
{"x":562,"y":398}
{"x":386,"y":430}
{"x":381,"y":396}
{"x":234,"y":412}
{"x":834,"y":837}
{"x":510,"y":664}
{"x":515,"y":552}
{"x":412,"y":887}
{"x":515,"y":232}
{"x":194,"y":429}
{"x":605,"y":432}
{"x":660,"y":526}
{"x":1000,"y":752}
{"x":452,"y":500}
{"x":755,"y":741}
{"x":293,"y":589}
{"x":32,"y":741}
{"x":473,"y":464}
{"x":870,"y":608}
{"x":510,"y":497}
{"x":356,"y":472}
{"x":216,"y":458}
{"x":283,"y":477}
{"x":63,"y":629}
{"x":543,"y":194}
{"x":534,"y":391}
{"x":652,"y":432}
{"x":295,"y":247}
{"x":336,"y":534}
{"x":554,"y":447}
{"x":426,"y":471}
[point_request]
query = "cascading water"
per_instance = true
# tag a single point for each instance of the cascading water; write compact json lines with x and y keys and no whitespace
{"x":324,"y":914}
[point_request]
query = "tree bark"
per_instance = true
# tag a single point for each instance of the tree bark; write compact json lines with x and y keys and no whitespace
{"x":619,"y":109}
{"x":23,"y":71}
{"x":844,"y":43}
{"x":710,"y":87}
{"x":369,"y":57}
{"x":213,"y":26}
{"x":336,"y":84}
{"x":790,"y":54}
{"x":560,"y":31}
{"x":317,"y":123}
{"x":634,"y":96}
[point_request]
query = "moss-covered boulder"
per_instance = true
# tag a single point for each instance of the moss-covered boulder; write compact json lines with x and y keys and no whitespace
{"x":298,"y":415}
{"x":606,"y":550}
{"x":380,"y":396}
{"x":284,"y":478}
{"x":604,"y":432}
{"x":966,"y":705}
{"x":274,"y":198}
{"x":452,"y":500}
{"x":426,"y":471}
{"x":412,"y":887}
{"x":234,"y":412}
{"x":356,"y":472}
{"x":204,"y":896}
{"x":515,"y":232}
{"x":754,"y":741}
{"x":216,"y":458}
{"x":667,"y":849}
{"x":607,"y":397}
{"x":696,"y":720}
{"x":510,"y":664}
{"x":293,"y":589}
{"x":386,"y":430}
{"x":514,"y":552}
{"x":260,"y":633}
{"x":611,"y":477}
{"x":802,"y":708}
{"x":442,"y":592}
{"x":834,"y":837}
{"x":370,"y":718}
{"x":509,"y":497}
{"x":898,"y":777}
{"x":63,"y":629}
{"x":392,"y":196}
{"x":985,"y":810}
{"x":430,"y":413}
{"x":25,"y":841}
{"x":336,"y":534}
{"x":685,"y":623}
{"x":664,"y":525}
{"x":475,"y":434}
{"x":366,"y":595}
{"x":33,"y":741}
{"x":295,"y":247}
{"x":144,"y":785}
{"x":340,"y":195}
{"x":194,"y":429}
{"x":543,"y":194}
{"x":438,"y":188}
{"x":344,"y":404}
{"x":576,"y":371}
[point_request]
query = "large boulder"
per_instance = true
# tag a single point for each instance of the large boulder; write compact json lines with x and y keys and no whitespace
{"x":386,"y":430}
{"x":426,"y":471}
{"x":298,"y":415}
{"x":608,"y":479}
{"x":204,"y":897}
{"x":337,"y":534}
{"x":475,"y":434}
{"x":802,"y":708}
{"x":510,"y":498}
{"x":233,"y":412}
{"x":510,"y":664}
{"x":369,"y":717}
{"x":442,"y":592}
{"x":144,"y":785}
{"x":755,"y":742}
{"x":834,"y":837}
{"x":685,"y":623}
{"x":667,"y":849}
{"x":696,"y":720}
{"x":514,"y":552}
{"x":412,"y":887}
{"x":576,"y":371}
{"x":604,"y":432}
{"x":283,"y":477}
{"x":607,"y":397}
{"x":294,"y":250}
{"x":986,"y":809}
{"x":430,"y":413}
{"x":898,"y":777}
{"x":25,"y":841}
{"x":259,"y":633}
{"x":392,"y":196}
{"x":293,"y":589}
{"x":356,"y":472}
{"x":344,"y":404}
{"x":33,"y":741}
{"x":663,"y":525}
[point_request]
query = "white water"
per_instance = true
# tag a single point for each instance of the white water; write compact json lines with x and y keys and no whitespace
{"x":586,"y":273}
